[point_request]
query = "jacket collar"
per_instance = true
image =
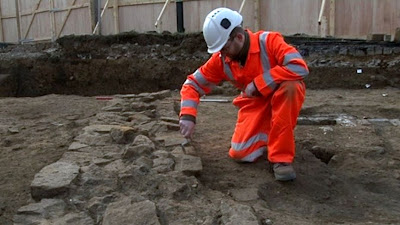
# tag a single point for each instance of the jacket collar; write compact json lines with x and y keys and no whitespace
{"x":254,"y":46}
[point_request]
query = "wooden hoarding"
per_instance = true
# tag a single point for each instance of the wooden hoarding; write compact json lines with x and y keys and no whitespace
{"x":36,"y":20}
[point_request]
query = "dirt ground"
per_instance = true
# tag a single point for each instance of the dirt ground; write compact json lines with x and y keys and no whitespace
{"x":360,"y":184}
{"x":35,"y":132}
{"x":348,"y":171}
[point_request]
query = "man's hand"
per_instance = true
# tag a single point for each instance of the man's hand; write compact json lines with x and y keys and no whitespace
{"x":251,"y":91}
{"x":187,"y":128}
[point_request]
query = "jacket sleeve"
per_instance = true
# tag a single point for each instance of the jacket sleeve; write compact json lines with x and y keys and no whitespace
{"x":288,"y":64}
{"x":200,"y":83}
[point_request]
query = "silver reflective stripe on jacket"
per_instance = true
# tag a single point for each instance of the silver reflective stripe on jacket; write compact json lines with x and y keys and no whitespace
{"x":193,"y":84}
{"x":229,"y":74}
{"x":297,"y":69}
{"x":265,"y":61}
{"x":199,"y":77}
{"x":291,"y":56}
{"x":189,"y":103}
{"x":227,"y":70}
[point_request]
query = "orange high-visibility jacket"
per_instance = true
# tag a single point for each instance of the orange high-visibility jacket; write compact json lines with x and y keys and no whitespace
{"x":270,"y":61}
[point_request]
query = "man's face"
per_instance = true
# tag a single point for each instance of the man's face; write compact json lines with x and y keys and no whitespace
{"x":232,"y":47}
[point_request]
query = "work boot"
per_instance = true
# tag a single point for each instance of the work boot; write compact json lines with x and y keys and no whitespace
{"x":284,"y":171}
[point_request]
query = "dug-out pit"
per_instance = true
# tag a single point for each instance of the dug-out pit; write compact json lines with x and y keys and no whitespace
{"x":135,"y":63}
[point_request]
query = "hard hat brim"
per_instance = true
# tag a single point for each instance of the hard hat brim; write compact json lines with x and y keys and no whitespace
{"x":216,"y":49}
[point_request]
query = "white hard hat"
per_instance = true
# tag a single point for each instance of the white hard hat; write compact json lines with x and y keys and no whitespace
{"x":217,"y":27}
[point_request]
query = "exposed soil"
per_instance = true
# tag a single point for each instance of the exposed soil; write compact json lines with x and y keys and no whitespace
{"x":348,"y":171}
{"x":346,"y":174}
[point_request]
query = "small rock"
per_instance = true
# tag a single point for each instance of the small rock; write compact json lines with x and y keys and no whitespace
{"x":163,"y":165}
{"x":123,"y":134}
{"x":13,"y":130}
{"x":171,"y":140}
{"x":334,"y":161}
{"x":177,"y":151}
{"x":143,"y":140}
{"x":170,"y":119}
{"x":268,"y":222}
{"x":76,"y":146}
{"x":189,"y":165}
{"x":170,"y":126}
{"x":137,"y":151}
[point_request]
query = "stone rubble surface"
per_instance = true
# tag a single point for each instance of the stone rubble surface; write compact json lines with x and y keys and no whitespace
{"x":128,"y":167}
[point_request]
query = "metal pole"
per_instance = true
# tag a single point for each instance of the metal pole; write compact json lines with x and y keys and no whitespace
{"x":242,"y":5}
{"x":161,"y":13}
{"x":98,"y":24}
{"x":321,"y":11}
{"x":213,"y":100}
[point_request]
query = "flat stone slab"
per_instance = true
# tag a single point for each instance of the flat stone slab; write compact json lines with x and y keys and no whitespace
{"x":237,"y":214}
{"x":53,"y":180}
{"x":36,"y":213}
{"x":171,"y":140}
{"x":99,"y":128}
{"x":50,"y":211}
{"x":76,"y":146}
{"x":127,"y":213}
{"x":188,"y":164}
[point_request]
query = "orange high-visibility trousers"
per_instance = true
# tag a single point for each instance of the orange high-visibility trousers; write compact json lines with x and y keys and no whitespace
{"x":268,"y":122}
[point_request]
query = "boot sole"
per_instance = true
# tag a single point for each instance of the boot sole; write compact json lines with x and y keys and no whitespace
{"x":286,"y":177}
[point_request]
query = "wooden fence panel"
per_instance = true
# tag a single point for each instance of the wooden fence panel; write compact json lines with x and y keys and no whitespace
{"x":358,"y":18}
{"x":195,"y":12}
{"x":43,"y":19}
{"x":354,"y":18}
{"x":72,"y":17}
{"x":35,"y":20}
{"x":9,"y":32}
{"x":50,"y":19}
{"x":274,"y":15}
{"x":248,"y":13}
{"x":384,"y":18}
{"x":107,"y":21}
{"x":290,"y":16}
{"x":141,"y":18}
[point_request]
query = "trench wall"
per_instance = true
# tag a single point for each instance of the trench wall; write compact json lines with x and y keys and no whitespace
{"x":135,"y":63}
{"x":39,"y":20}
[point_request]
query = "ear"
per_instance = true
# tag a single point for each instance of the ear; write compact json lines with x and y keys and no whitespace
{"x":240,"y":36}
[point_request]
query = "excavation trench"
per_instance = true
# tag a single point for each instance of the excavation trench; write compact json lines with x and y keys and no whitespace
{"x":347,"y":166}
{"x":135,"y":63}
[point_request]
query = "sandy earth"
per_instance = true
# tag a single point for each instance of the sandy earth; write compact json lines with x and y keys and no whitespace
{"x":359,"y":184}
{"x":35,"y":132}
